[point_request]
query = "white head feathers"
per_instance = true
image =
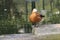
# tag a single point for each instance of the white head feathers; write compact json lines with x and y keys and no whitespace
{"x":34,"y":10}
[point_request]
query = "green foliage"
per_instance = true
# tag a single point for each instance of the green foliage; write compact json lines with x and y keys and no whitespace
{"x":8,"y":29}
{"x":58,"y":5}
{"x":27,"y":28}
{"x":56,"y":19}
{"x":12,"y":21}
{"x":51,"y":18}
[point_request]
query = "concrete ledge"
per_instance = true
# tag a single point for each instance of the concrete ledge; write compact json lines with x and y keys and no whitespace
{"x":40,"y":32}
{"x":17,"y":37}
{"x":47,"y":29}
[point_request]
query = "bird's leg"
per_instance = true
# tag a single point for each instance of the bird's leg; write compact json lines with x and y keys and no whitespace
{"x":35,"y":24}
{"x":33,"y":29}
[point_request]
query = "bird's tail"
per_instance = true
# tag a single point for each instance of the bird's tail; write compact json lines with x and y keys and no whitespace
{"x":42,"y":16}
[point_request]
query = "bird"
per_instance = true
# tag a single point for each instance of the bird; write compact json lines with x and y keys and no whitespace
{"x":35,"y":17}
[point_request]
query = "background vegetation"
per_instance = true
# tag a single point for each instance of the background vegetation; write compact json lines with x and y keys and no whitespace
{"x":14,"y":16}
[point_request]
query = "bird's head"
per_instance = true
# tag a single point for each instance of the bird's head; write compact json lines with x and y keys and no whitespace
{"x":35,"y":10}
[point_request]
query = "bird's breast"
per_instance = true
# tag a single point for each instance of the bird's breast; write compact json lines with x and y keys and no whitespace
{"x":35,"y":18}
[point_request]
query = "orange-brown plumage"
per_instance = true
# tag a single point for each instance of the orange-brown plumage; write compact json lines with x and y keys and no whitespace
{"x":35,"y":17}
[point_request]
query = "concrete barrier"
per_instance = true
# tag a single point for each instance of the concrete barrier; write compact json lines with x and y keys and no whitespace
{"x":47,"y":29}
{"x":17,"y":37}
{"x":40,"y":31}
